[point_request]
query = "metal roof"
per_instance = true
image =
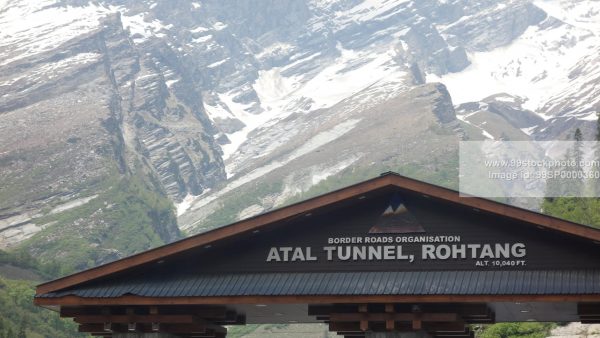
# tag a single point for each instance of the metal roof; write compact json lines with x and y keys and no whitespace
{"x":546,"y":282}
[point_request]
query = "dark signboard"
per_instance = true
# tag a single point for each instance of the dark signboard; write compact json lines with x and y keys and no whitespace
{"x":398,"y":231}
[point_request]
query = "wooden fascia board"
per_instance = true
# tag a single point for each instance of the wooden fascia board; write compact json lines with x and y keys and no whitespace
{"x":324,"y":299}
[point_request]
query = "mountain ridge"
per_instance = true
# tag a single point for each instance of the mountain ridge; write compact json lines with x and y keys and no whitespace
{"x":198,"y":105}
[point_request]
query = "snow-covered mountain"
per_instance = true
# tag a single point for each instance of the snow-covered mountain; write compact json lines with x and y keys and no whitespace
{"x":233,"y":108}
{"x":553,"y":68}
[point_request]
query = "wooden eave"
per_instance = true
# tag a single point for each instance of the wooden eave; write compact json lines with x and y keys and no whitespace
{"x":132,"y":300}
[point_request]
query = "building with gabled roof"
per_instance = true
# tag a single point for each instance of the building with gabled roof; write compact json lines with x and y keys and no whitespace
{"x":389,"y":256}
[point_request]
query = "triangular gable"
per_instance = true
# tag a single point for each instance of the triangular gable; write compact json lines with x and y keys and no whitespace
{"x":383,"y":187}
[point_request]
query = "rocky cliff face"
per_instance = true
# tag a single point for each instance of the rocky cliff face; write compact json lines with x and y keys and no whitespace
{"x":78,"y":115}
{"x":231,"y":108}
{"x":412,"y":130}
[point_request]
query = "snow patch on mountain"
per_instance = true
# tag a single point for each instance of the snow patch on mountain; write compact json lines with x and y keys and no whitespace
{"x":141,"y":28}
{"x":537,"y":66}
{"x":295,"y":184}
{"x":351,"y":72}
{"x":310,"y":145}
{"x":187,"y":202}
{"x":580,"y":14}
{"x":281,"y":95}
{"x":217,"y":111}
{"x":271,"y":88}
{"x":72,"y":204}
{"x":242,"y":112}
{"x":347,"y":13}
{"x":321,"y":173}
{"x":32,"y":27}
{"x":48,"y":71}
{"x":481,"y":126}
{"x":275,"y":49}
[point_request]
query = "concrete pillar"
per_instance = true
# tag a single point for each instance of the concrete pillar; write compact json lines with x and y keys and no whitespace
{"x":411,"y":334}
{"x":143,"y":335}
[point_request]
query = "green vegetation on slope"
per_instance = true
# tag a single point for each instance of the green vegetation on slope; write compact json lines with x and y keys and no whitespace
{"x":233,"y":203}
{"x":517,"y":330}
{"x":442,"y":171}
{"x":127,"y":217}
{"x":19,"y":318}
{"x":239,"y":331}
{"x":575,"y":209}
{"x":580,"y":210}
{"x":19,"y":259}
{"x":280,"y":330}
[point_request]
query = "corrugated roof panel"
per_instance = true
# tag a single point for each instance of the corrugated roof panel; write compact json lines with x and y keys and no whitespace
{"x":415,"y":287}
{"x":527,"y":283}
{"x":176,"y":287}
{"x":438,"y":283}
{"x":314,"y":284}
{"x":488,"y":283}
{"x":456,"y":283}
{"x":331,"y":284}
{"x":463,"y":286}
{"x":350,"y":283}
{"x":338,"y":282}
{"x":445,"y":281}
{"x":275,"y":284}
{"x":512,"y":285}
{"x":154,"y":288}
{"x":225,"y":284}
{"x":365,"y":284}
{"x":563,"y":282}
{"x":189,"y":283}
{"x":195,"y":285}
{"x":286,"y":285}
{"x":583,"y":282}
{"x":213,"y":285}
{"x":297,"y":282}
{"x":552,"y":280}
{"x":165,"y":290}
{"x":579,"y":282}
{"x":383,"y":284}
{"x":346,"y":281}
{"x":408,"y":287}
{"x":425,"y":283}
{"x":236,"y":284}
{"x":536,"y":281}
{"x":392,"y":284}
{"x":119,"y":290}
{"x":200,"y":286}
{"x":261,"y":287}
{"x":430,"y":283}
{"x":323,"y":285}
{"x":86,"y":293}
{"x":572,"y":283}
{"x":396,"y":282}
{"x":360,"y":284}
{"x":594,"y":283}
